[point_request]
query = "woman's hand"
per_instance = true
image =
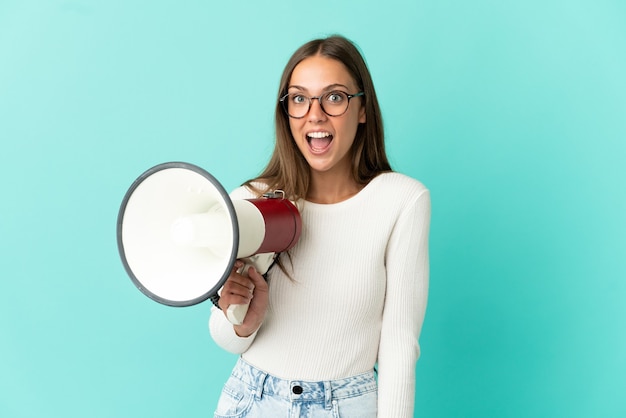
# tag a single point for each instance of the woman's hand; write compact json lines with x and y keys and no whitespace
{"x":252,"y":290}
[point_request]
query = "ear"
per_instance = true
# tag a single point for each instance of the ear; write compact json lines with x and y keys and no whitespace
{"x":362,"y":118}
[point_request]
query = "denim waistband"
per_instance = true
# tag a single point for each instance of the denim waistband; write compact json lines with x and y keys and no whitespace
{"x":301,"y":390}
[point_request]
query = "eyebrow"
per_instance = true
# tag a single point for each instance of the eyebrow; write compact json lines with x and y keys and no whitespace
{"x":329,"y":87}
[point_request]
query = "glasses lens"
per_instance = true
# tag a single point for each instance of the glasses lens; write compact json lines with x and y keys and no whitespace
{"x":296,"y":105}
{"x":335,"y":103}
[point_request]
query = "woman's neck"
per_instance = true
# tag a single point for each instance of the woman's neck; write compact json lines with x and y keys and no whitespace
{"x":326,"y":188}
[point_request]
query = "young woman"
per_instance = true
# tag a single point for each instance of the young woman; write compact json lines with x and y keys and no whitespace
{"x":349,"y":299}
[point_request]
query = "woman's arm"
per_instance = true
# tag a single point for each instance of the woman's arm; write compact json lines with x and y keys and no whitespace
{"x":405,"y":306}
{"x":238,"y":289}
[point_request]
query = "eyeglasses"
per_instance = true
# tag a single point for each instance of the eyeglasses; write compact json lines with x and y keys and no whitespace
{"x":334,"y":103}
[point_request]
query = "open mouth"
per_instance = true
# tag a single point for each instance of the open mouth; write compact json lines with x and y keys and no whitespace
{"x":319,"y":141}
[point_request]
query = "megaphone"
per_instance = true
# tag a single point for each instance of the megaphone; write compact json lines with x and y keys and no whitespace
{"x":179,"y":234}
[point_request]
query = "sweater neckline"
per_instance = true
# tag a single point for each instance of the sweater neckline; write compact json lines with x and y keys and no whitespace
{"x":357,"y":196}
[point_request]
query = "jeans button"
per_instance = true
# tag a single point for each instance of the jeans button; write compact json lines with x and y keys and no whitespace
{"x":297,"y":390}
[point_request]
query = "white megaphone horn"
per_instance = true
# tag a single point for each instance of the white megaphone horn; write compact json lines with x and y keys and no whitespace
{"x":179,"y":235}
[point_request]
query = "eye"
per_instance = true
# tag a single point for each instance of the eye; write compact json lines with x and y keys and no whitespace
{"x":335,"y":97}
{"x":297,"y":99}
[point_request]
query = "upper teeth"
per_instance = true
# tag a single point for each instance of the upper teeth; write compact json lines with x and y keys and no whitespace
{"x":318,"y":134}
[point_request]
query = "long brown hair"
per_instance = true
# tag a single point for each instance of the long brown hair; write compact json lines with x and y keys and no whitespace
{"x":287,"y":169}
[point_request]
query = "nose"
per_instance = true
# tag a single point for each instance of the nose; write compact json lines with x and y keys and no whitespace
{"x":316,"y":114}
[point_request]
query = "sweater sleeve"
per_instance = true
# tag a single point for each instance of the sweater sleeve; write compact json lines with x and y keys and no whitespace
{"x":221,"y":329}
{"x":224,"y":334}
{"x":405,"y":306}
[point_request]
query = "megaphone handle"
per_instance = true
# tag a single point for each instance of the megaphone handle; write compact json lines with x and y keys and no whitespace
{"x":237,"y":313}
{"x":261,"y":263}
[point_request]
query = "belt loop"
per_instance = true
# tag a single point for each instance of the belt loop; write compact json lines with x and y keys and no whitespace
{"x":260,"y":385}
{"x":328,"y":396}
{"x":254,"y":377}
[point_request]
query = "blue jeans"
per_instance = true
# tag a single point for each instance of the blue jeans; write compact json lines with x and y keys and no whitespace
{"x":252,"y":393}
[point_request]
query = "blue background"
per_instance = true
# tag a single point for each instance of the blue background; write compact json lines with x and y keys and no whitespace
{"x":512,"y":113}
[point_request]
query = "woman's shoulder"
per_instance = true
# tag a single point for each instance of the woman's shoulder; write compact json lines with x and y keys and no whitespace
{"x":398,"y":183}
{"x":401,"y":193}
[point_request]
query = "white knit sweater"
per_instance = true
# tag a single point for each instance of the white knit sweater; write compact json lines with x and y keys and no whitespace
{"x":358,"y":294}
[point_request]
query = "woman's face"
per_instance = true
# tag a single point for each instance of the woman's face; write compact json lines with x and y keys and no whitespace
{"x":324,"y":140}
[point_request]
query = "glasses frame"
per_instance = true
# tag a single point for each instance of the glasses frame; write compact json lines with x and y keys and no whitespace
{"x":319,"y":99}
